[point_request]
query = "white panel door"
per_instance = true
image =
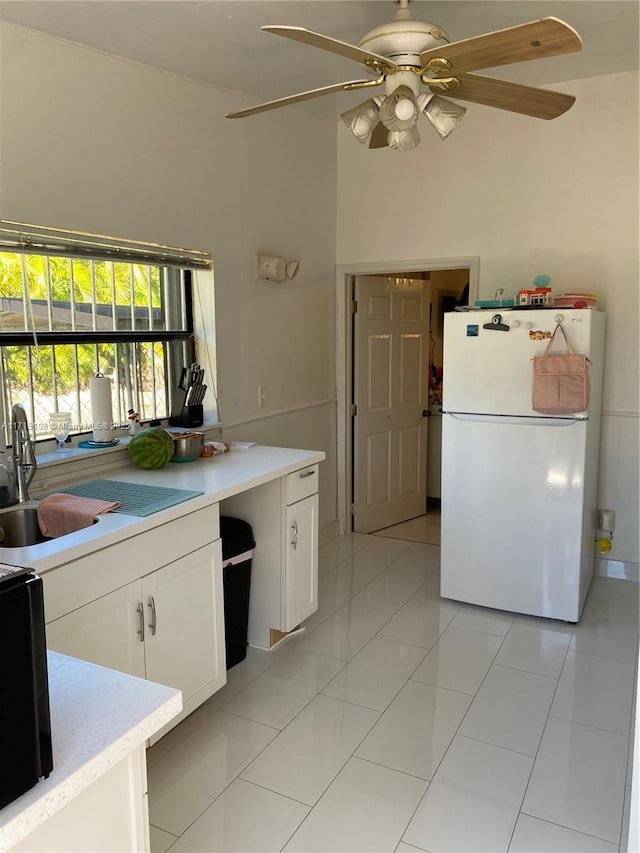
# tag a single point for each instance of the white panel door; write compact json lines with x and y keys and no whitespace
{"x":391,"y":348}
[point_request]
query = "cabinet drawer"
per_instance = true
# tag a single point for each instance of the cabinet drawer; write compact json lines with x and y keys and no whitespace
{"x":301,"y":484}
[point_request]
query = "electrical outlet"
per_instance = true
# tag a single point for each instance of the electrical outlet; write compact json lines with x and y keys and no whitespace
{"x":263,"y":396}
{"x":607,"y":520}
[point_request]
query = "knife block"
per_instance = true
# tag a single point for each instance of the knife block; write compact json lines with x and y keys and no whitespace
{"x":195,"y":415}
{"x":191,"y":416}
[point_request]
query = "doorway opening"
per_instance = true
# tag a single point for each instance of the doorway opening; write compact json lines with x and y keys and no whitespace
{"x":443,"y":289}
{"x":423,"y":528}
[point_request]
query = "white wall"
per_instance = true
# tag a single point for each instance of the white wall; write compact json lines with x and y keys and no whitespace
{"x":96,"y":143}
{"x":527,"y":197}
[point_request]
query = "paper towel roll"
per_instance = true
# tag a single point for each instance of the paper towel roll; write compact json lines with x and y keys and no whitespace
{"x":101,"y":411}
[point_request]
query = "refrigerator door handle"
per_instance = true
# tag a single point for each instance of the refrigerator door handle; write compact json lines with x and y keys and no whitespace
{"x":515,"y":419}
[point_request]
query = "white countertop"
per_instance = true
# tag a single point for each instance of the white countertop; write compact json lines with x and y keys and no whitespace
{"x":218,"y":477}
{"x":89,"y":735}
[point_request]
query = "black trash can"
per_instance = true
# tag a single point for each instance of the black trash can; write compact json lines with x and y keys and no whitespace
{"x":237,"y":552}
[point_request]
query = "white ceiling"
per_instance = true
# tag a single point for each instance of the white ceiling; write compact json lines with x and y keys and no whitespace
{"x":220,"y":41}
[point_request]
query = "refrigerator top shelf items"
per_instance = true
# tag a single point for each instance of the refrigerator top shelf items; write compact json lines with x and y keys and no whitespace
{"x":494,"y":303}
{"x":507,"y":305}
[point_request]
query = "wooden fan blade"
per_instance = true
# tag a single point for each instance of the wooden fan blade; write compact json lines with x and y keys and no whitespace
{"x":535,"y":40}
{"x":527,"y":100}
{"x":303,"y":96}
{"x":379,"y":137}
{"x":342,"y":48}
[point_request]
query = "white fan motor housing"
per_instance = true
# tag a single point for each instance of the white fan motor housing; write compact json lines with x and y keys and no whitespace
{"x":403,"y":40}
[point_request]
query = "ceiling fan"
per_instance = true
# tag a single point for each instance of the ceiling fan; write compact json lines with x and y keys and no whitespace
{"x":406,"y":55}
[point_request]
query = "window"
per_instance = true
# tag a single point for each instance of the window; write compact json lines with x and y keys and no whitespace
{"x":73,"y":305}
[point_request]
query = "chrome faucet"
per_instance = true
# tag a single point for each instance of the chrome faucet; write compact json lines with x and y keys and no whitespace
{"x":24,"y":457}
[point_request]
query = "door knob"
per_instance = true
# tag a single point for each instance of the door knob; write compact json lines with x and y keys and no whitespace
{"x":426,"y":413}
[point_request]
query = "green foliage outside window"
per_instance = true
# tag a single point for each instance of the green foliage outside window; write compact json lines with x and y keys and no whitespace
{"x":72,"y":294}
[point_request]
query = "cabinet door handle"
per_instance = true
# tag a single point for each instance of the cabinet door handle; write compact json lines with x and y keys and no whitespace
{"x":140,"y":610}
{"x":307,"y":474}
{"x":294,"y":535}
{"x":152,"y":607}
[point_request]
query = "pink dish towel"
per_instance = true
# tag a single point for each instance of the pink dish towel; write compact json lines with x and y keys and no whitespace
{"x":60,"y":513}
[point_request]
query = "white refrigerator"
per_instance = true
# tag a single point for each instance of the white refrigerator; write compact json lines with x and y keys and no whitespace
{"x":519,"y":489}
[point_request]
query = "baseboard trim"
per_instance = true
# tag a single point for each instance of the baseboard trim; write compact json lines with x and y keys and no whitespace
{"x":329,"y":532}
{"x":620,"y":569}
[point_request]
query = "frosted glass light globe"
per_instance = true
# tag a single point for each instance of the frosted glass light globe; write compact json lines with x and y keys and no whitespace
{"x":405,"y":109}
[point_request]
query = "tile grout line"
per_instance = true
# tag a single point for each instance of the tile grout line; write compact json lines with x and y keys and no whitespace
{"x":353,"y":753}
{"x":433,"y":775}
{"x":535,"y":757}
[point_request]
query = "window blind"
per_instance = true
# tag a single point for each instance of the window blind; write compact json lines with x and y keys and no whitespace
{"x":21,"y":237}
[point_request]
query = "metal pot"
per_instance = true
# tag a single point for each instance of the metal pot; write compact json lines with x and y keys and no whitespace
{"x":187,"y":446}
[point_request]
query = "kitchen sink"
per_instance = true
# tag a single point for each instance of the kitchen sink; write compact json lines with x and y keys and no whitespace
{"x":19,"y":527}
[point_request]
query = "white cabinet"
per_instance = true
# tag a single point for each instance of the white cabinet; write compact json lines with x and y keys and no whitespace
{"x":284,"y":574}
{"x":167,"y":626}
{"x":103,"y":631}
{"x":300,"y":580}
{"x":301,"y":562}
{"x":184,"y":625}
{"x":99,"y":605}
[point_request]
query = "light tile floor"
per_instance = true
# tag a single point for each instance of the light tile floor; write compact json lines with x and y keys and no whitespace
{"x":404,"y":722}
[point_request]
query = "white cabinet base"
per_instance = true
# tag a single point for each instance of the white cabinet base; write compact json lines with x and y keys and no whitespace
{"x":110,"y":816}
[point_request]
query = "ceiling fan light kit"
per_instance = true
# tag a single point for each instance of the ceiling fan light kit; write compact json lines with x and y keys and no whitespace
{"x":406,"y":54}
{"x":399,"y":111}
{"x":406,"y":110}
{"x":443,"y":114}
{"x":361,"y":120}
{"x":403,"y":140}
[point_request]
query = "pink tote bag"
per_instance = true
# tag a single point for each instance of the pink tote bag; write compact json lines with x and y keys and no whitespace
{"x":560,"y":380}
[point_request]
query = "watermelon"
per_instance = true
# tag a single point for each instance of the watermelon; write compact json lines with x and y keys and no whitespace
{"x":151,"y":447}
